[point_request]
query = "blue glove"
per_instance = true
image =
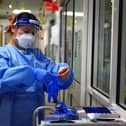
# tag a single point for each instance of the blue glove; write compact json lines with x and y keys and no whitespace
{"x":43,"y":75}
{"x":61,"y":108}
{"x":53,"y":90}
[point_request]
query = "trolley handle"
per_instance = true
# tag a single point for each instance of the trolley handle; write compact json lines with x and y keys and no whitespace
{"x":36,"y":113}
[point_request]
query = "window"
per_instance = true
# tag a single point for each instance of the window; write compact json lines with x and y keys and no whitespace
{"x":67,"y":40}
{"x":71,"y":39}
{"x":69,"y":33}
{"x":62,"y":33}
{"x":102,"y":45}
{"x":122,"y":60}
{"x":78,"y":22}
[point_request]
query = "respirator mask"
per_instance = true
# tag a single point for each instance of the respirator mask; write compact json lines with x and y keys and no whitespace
{"x":25,"y":40}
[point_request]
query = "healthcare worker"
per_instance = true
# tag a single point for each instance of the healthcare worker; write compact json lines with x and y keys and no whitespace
{"x":25,"y":73}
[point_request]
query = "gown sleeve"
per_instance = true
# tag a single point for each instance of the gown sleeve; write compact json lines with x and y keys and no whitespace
{"x":54,"y":68}
{"x":11,"y":77}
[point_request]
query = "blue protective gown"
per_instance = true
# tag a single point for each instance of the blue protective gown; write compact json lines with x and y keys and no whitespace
{"x":20,"y":92}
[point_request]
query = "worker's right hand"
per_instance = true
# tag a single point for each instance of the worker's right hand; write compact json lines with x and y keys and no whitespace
{"x":43,"y":75}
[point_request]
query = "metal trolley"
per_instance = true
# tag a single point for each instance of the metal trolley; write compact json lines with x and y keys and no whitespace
{"x":72,"y":122}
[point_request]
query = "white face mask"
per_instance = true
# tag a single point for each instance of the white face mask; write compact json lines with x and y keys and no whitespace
{"x":25,"y":40}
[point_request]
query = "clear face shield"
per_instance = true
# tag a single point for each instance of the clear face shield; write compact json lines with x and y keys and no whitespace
{"x":39,"y":39}
{"x":31,"y":29}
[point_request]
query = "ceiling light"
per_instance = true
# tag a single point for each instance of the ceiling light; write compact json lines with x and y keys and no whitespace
{"x":16,"y":11}
{"x":10,"y":6}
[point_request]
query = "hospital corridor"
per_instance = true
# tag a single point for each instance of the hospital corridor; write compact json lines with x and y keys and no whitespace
{"x":62,"y":63}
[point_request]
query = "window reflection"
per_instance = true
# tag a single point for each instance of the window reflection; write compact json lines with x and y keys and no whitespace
{"x":62,"y":36}
{"x":102,"y":45}
{"x":78,"y":22}
{"x":69,"y":33}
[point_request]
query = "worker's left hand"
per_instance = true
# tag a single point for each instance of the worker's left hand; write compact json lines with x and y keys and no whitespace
{"x":63,"y":72}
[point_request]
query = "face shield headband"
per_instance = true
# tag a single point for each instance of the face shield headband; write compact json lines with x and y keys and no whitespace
{"x":26,"y":21}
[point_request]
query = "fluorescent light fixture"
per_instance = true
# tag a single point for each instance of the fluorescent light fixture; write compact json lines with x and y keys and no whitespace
{"x":77,"y":14}
{"x":16,"y":11}
{"x":69,"y":13}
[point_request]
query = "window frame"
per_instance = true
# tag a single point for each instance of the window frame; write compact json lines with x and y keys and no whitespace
{"x":96,"y":38}
{"x":115,"y":38}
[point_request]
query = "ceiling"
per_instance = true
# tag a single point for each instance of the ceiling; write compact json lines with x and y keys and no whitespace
{"x":33,"y":5}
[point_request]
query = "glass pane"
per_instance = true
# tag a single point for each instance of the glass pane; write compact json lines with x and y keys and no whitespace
{"x":68,"y":43}
{"x":69,"y":32}
{"x":78,"y":22}
{"x":102,"y":45}
{"x":63,"y":21}
{"x":122,"y":94}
